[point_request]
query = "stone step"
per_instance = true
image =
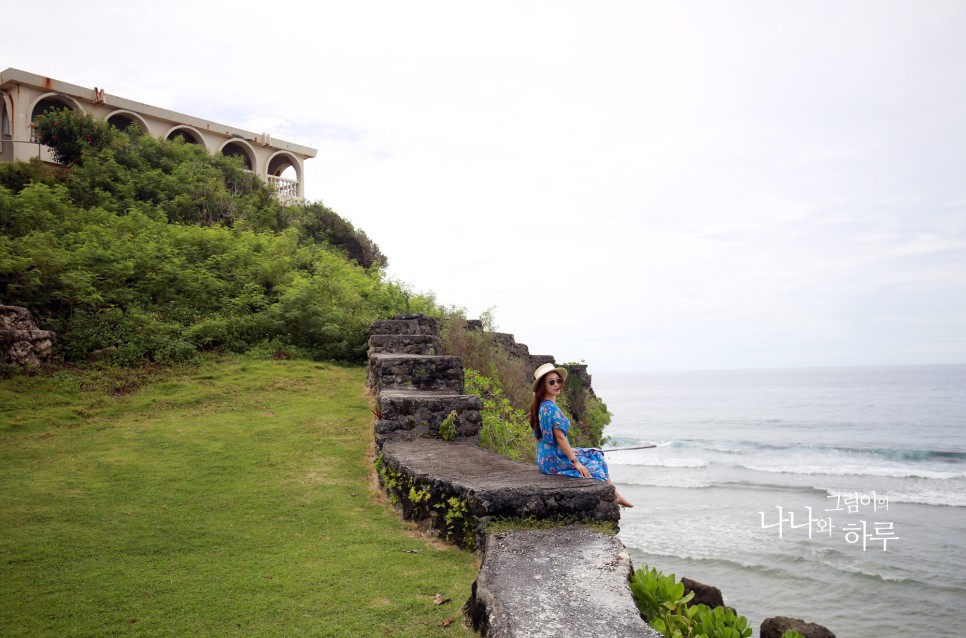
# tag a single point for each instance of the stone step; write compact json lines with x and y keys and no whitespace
{"x":408,"y":413}
{"x":567,"y":581}
{"x":457,"y":488}
{"x":406,"y":325}
{"x":405,"y":344}
{"x":415,"y":372}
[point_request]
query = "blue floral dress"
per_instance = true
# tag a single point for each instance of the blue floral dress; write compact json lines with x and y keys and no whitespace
{"x":552,"y":460}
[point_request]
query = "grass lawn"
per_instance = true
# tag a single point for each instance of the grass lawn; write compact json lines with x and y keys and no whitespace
{"x":232,"y":498}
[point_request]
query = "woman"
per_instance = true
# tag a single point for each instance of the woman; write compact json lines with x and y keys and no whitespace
{"x":554,"y":452}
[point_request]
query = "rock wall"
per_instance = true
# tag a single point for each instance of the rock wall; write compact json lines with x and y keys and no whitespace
{"x":416,"y":388}
{"x":22,"y":342}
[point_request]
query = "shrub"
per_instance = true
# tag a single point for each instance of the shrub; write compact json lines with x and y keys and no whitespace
{"x":664,"y":605}
{"x":318,"y":223}
{"x":447,"y":429}
{"x":506,"y":430}
{"x":71,"y":134}
{"x":477,"y":350}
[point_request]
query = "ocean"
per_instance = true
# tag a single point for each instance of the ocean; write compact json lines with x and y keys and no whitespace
{"x":834,"y":495}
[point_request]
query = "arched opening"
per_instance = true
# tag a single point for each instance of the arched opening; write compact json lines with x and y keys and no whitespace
{"x":122,"y":120}
{"x":187,"y":135}
{"x":241,"y":151}
{"x":283,"y":174}
{"x":6,"y":131}
{"x":48,"y":103}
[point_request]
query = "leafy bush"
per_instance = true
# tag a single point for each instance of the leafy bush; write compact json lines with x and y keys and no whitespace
{"x":506,"y":430}
{"x":321,"y":224}
{"x":664,"y":605}
{"x":447,"y":429}
{"x":70,"y":134}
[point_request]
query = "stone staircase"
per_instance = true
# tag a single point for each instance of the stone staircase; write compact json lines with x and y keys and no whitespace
{"x":416,"y":388}
{"x":575,"y":577}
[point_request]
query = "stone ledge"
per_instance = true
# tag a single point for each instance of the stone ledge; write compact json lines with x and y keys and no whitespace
{"x":408,"y":413}
{"x":404,"y":344}
{"x":568,"y":581}
{"x":406,"y":325}
{"x":444,"y":475}
{"x":415,"y":371}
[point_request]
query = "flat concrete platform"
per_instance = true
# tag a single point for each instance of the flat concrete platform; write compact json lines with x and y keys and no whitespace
{"x":567,"y":581}
{"x":494,"y":486}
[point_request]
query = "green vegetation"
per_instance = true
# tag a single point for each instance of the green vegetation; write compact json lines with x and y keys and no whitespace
{"x":451,"y":516}
{"x":447,"y":429}
{"x":506,"y":429}
{"x":147,"y":249}
{"x":588,"y":414}
{"x":791,"y":633}
{"x":664,"y":605}
{"x":503,"y":384}
{"x":228,"y":498}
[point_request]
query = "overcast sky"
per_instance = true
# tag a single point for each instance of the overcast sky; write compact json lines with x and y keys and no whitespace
{"x":642,"y":185}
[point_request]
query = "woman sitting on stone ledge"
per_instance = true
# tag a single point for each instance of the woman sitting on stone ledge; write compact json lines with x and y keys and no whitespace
{"x":554,"y":452}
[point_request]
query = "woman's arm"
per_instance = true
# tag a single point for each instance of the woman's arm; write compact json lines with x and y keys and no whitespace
{"x":564,"y":444}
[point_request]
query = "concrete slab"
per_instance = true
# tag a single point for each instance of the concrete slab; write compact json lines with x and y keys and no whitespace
{"x":569,"y":581}
{"x":483,"y":486}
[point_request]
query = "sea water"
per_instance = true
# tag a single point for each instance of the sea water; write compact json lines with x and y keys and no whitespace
{"x":833,"y":495}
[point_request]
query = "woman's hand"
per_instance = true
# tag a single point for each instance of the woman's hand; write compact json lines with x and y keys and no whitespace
{"x":582,"y":469}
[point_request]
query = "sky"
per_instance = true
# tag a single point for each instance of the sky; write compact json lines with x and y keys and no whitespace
{"x":639,"y":185}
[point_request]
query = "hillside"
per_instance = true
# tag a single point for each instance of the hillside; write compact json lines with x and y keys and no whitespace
{"x":138,"y":248}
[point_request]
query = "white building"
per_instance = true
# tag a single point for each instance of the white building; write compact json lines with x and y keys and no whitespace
{"x":25,"y":96}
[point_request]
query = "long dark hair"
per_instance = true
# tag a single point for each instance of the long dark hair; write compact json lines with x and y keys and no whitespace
{"x":535,"y":406}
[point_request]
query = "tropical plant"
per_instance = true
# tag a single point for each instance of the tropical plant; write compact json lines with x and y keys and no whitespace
{"x":71,"y":134}
{"x":665,"y":606}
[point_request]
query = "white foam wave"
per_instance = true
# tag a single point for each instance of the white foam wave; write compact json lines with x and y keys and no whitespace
{"x":663,"y":481}
{"x":646,"y":462}
{"x":929,"y":498}
{"x":857,"y":470}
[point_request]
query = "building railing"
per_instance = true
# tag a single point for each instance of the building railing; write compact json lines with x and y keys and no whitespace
{"x":287,"y":189}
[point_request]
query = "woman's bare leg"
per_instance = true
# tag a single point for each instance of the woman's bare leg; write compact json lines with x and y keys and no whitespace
{"x":620,"y":499}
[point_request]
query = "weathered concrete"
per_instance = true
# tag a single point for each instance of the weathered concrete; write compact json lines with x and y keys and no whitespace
{"x":569,"y":581}
{"x":405,"y":344}
{"x":575,"y":578}
{"x":406,"y":325}
{"x":415,"y":371}
{"x":428,"y":478}
{"x":408,"y":413}
{"x":22,"y":342}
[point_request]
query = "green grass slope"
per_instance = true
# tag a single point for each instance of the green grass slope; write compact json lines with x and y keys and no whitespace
{"x":230,"y":498}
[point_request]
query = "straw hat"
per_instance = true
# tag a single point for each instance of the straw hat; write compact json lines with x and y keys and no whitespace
{"x":546,"y":369}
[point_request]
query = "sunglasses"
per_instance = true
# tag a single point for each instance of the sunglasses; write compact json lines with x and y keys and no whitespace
{"x":554,"y":381}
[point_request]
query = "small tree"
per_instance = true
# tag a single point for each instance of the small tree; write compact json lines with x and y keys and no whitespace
{"x":70,"y":134}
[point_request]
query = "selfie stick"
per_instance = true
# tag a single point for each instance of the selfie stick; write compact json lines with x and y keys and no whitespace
{"x":621,"y":449}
